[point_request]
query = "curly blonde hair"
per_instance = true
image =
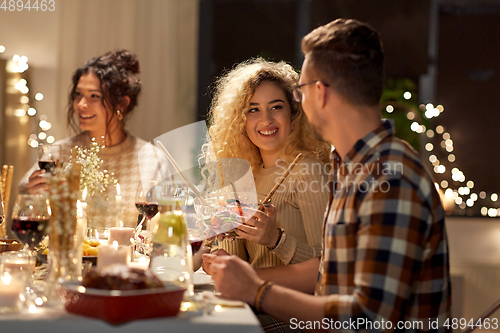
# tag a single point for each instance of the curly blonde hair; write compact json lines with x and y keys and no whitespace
{"x":232,"y":93}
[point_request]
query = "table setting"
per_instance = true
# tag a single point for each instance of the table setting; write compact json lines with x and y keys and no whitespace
{"x":63,"y":284}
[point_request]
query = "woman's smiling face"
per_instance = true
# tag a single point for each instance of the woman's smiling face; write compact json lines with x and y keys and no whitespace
{"x":88,"y":105}
{"x":268,"y":122}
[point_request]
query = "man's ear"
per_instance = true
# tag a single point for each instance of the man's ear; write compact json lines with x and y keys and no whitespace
{"x":124,"y":103}
{"x":322,"y":93}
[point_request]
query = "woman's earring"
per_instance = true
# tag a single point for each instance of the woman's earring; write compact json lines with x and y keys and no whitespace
{"x":119,"y":115}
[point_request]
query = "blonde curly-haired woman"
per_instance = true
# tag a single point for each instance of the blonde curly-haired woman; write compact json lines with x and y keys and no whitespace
{"x":253,"y":116}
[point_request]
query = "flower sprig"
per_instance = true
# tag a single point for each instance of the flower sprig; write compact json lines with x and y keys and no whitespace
{"x":91,"y":175}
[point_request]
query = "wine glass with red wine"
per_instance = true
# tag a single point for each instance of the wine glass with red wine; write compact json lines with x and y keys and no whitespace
{"x":30,"y":219}
{"x":146,"y":203}
{"x":48,"y":156}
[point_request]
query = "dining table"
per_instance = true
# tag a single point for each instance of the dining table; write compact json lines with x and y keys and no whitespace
{"x":220,"y":318}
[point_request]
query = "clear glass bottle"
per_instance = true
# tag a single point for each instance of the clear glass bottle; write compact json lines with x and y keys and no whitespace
{"x":171,"y":257}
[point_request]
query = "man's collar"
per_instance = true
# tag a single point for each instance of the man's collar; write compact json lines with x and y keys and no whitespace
{"x":364,"y":145}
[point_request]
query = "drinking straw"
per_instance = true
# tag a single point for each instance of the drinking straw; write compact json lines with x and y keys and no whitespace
{"x":160,"y":145}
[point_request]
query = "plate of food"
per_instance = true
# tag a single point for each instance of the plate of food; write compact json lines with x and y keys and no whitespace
{"x":90,"y":249}
{"x":118,"y":294}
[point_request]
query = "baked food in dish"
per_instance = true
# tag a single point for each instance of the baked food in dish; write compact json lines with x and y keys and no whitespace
{"x":121,"y":277}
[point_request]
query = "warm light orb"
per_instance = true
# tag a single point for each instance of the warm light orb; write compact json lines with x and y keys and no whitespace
{"x":2,"y":49}
{"x":482,"y":195}
{"x":31,"y":111}
{"x":389,"y":108}
{"x":439,"y":129}
{"x":484,"y":211}
{"x":444,"y":184}
{"x":430,"y":133}
{"x":494,"y":197}
{"x":39,"y":96}
{"x":407,"y":95}
{"x":451,"y":158}
{"x":470,"y":184}
{"x":410,"y":115}
{"x":429,"y":146}
{"x":50,"y":139}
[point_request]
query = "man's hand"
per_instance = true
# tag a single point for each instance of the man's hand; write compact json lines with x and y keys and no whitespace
{"x":234,"y":278}
{"x":261,"y":227}
{"x":206,"y":264}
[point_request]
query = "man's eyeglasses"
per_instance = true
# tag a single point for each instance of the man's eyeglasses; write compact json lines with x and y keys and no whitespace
{"x":297,"y":90}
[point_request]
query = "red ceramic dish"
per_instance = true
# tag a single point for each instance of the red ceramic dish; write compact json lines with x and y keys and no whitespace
{"x":118,"y":307}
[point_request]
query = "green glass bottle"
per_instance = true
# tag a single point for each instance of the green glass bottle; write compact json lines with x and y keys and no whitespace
{"x":171,"y":258}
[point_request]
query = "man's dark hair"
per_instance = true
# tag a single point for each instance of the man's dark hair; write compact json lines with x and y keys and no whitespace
{"x":348,"y":55}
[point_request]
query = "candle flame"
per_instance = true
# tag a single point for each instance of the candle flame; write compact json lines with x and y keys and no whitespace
{"x":84,"y":194}
{"x":115,"y":245}
{"x":117,"y":189}
{"x":79,"y":208}
{"x":97,"y":235}
{"x":121,"y":225}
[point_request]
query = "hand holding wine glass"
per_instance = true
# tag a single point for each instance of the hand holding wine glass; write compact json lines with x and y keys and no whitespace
{"x":49,"y":156}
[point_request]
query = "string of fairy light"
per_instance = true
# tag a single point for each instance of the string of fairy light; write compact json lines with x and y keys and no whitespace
{"x":465,"y":195}
{"x":19,"y":64}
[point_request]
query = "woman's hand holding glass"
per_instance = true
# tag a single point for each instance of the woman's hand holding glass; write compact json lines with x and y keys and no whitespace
{"x":48,"y":157}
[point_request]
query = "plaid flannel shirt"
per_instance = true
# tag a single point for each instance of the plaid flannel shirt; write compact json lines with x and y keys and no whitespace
{"x":385,"y":254}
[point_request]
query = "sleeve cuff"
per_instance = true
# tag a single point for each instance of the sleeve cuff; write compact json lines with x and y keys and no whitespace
{"x":286,"y":248}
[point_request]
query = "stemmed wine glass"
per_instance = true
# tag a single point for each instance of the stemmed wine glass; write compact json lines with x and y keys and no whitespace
{"x":30,"y":218}
{"x":146,"y":203}
{"x":48,"y":156}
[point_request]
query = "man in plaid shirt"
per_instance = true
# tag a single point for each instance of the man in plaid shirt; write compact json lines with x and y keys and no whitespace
{"x":384,"y":265}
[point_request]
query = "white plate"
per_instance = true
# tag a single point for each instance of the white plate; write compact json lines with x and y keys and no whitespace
{"x":200,"y":279}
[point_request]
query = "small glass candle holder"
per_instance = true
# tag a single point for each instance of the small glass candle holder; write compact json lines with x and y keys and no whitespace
{"x":15,"y":272}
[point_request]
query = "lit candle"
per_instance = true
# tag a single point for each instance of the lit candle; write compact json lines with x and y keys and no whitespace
{"x":141,"y":263}
{"x":121,"y":235}
{"x":84,"y":213}
{"x":113,"y":254}
{"x":118,"y":202}
{"x":10,"y":289}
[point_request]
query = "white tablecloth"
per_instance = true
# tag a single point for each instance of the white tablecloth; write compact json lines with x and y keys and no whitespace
{"x":49,"y":320}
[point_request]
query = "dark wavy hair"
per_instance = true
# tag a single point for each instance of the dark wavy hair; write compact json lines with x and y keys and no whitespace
{"x":116,"y":71}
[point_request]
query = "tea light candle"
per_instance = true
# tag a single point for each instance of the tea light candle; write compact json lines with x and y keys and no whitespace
{"x":118,"y":203}
{"x":18,"y":266}
{"x":121,"y":235}
{"x":113,"y":254}
{"x":10,"y":289}
{"x":84,"y":213}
